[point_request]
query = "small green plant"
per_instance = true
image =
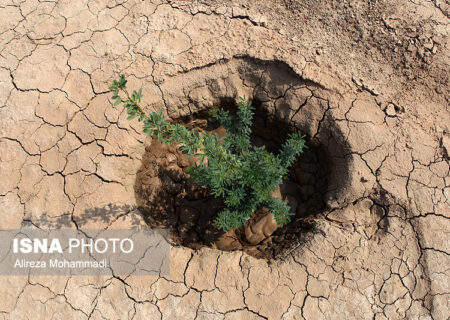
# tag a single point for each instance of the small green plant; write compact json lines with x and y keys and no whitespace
{"x":243,"y":175}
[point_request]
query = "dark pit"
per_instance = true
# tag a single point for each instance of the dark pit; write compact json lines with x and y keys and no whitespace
{"x":169,"y":199}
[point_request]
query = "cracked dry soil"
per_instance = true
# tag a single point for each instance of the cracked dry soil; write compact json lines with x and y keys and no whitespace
{"x":367,"y":81}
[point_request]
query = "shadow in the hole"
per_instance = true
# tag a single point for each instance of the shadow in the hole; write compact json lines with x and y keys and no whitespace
{"x":168,"y":199}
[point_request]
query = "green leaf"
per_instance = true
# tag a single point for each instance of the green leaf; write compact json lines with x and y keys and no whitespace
{"x":118,"y":101}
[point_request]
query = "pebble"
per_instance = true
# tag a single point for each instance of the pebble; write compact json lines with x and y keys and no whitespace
{"x":171,"y":158}
{"x":428,"y":45}
{"x":390,"y":110}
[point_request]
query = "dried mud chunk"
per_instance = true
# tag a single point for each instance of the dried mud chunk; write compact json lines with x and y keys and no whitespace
{"x":228,"y":241}
{"x":182,"y":159}
{"x":261,"y":229}
{"x":174,"y":172}
{"x":221,"y":132}
{"x":158,"y":149}
{"x":258,"y":229}
{"x":171,"y":158}
{"x":193,"y":161}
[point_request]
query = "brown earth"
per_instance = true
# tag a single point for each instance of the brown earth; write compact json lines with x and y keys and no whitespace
{"x":367,"y":81}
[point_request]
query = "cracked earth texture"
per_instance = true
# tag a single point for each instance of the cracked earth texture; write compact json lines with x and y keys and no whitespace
{"x":368,"y":80}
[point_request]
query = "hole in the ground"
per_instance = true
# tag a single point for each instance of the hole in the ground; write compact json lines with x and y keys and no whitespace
{"x":170,"y":200}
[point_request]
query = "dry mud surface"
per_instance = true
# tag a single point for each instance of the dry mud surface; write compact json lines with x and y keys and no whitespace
{"x":366,"y":80}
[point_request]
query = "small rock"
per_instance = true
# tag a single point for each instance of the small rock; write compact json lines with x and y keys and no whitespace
{"x":428,"y":44}
{"x":387,"y":23}
{"x":377,"y":211}
{"x":239,"y":12}
{"x":357,"y":82}
{"x":204,"y":9}
{"x":263,"y":21}
{"x":194,"y":10}
{"x":182,"y":159}
{"x":173,"y":148}
{"x":171,"y":158}
{"x":183,"y":162}
{"x":421,"y":52}
{"x":390,"y":110}
{"x":221,"y":10}
{"x":257,"y":232}
{"x":374,"y":91}
{"x":228,"y":241}
{"x":411,"y":47}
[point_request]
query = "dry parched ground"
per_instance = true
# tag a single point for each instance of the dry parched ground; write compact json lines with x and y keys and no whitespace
{"x":367,"y":80}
